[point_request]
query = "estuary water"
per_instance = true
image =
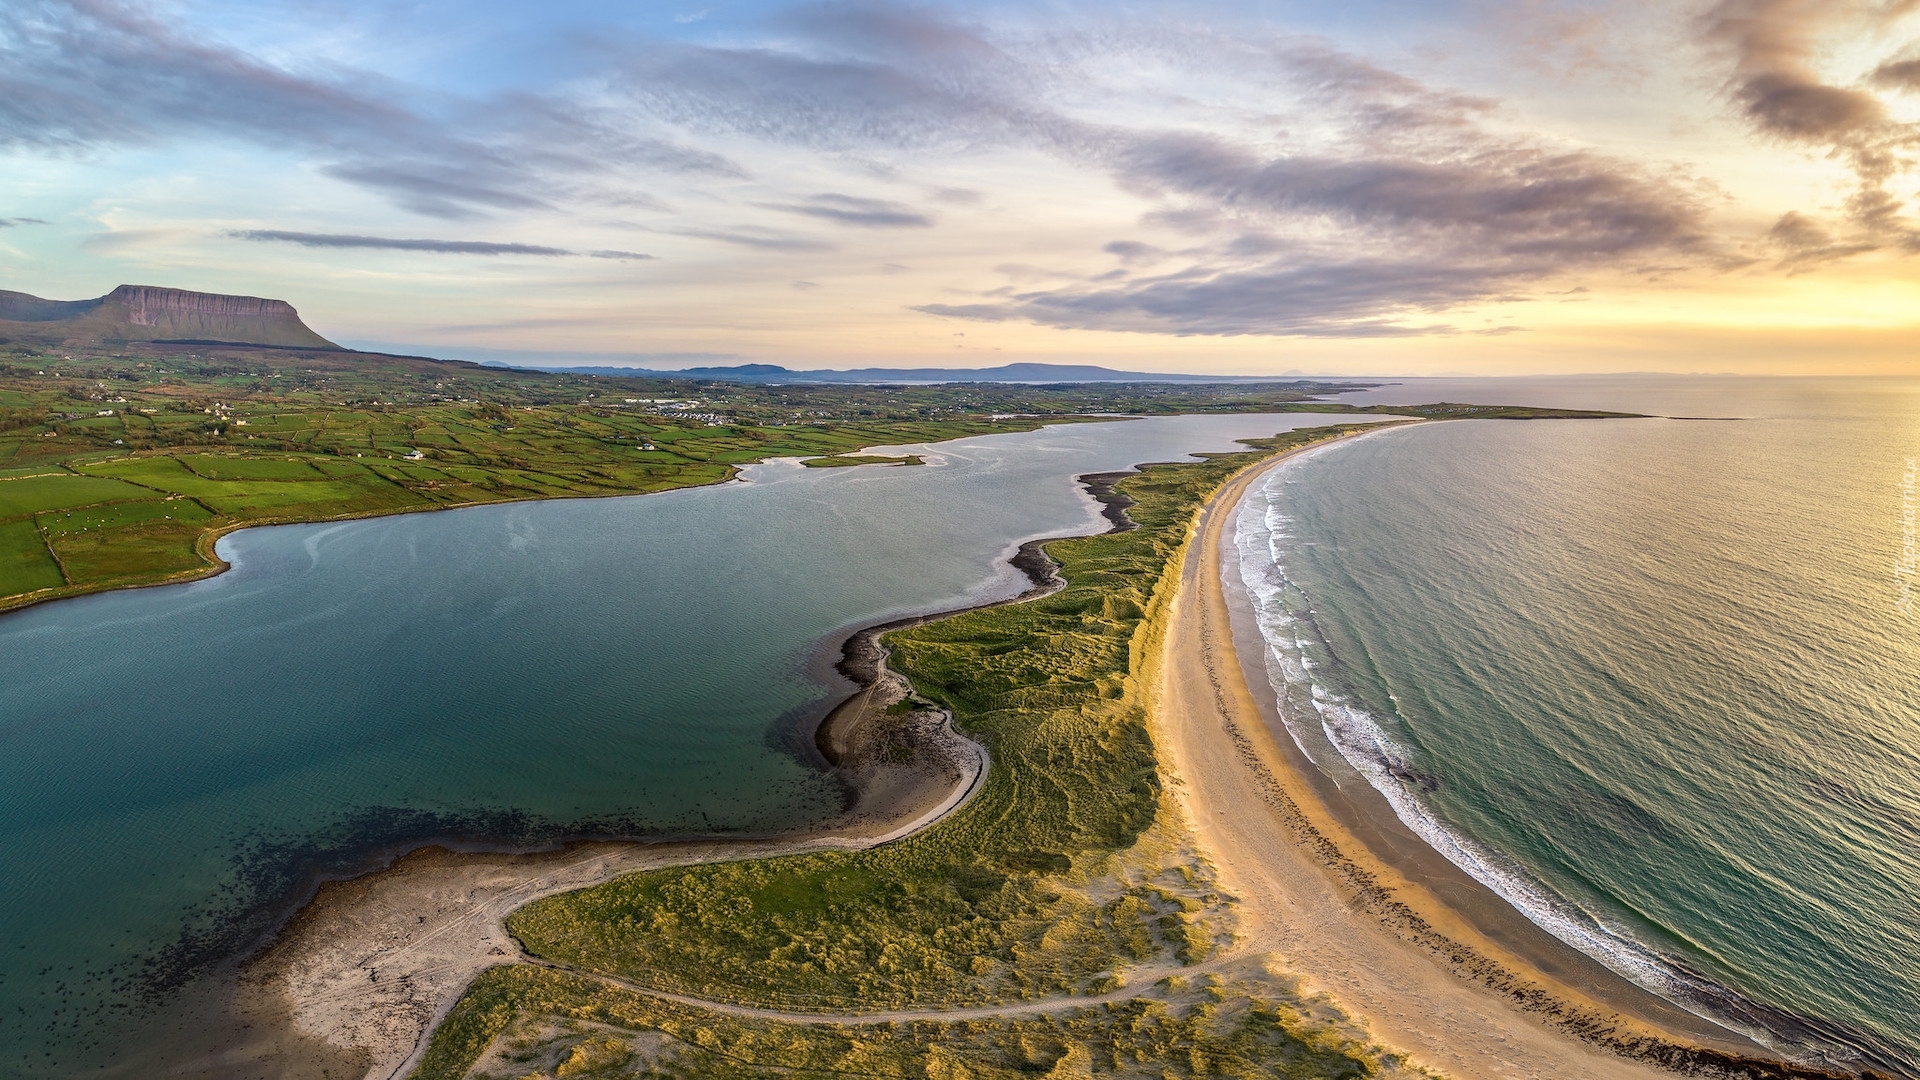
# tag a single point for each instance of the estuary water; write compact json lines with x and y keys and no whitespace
{"x":1656,"y":682}
{"x":179,"y":765}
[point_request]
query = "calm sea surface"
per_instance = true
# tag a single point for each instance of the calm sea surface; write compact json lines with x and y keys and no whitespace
{"x":1654,"y":681}
{"x":177,"y":764}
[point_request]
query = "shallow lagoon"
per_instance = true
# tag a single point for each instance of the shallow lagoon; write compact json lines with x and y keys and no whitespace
{"x":178,"y":764}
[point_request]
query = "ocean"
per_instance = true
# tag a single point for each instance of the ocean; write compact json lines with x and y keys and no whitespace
{"x":180,"y":765}
{"x":1656,"y":682}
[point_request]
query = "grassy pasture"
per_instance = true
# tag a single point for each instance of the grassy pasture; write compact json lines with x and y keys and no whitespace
{"x":25,"y":563}
{"x":330,"y":465}
{"x":1034,"y":889}
{"x":34,"y":494}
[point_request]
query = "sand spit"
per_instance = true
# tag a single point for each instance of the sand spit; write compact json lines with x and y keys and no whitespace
{"x":369,"y":966}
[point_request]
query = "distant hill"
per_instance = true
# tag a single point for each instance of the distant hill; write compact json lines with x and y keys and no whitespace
{"x":148,"y":313}
{"x":1007,"y":373}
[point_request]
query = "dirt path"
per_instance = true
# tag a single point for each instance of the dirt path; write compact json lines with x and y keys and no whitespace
{"x":1139,"y":981}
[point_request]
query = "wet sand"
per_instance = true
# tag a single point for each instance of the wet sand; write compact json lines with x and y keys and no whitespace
{"x":355,"y":982}
{"x":1349,"y":898}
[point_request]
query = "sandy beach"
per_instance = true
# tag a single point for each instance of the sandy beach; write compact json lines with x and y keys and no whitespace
{"x":1345,"y":896}
{"x":1326,"y":886}
{"x":359,"y":977}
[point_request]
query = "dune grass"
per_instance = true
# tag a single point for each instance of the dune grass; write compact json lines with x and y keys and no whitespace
{"x":559,"y":1025}
{"x":1036,"y":888}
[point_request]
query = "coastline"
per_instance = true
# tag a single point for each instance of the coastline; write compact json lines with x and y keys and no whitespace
{"x":386,"y":970}
{"x":1356,"y":903}
{"x":362,"y":972}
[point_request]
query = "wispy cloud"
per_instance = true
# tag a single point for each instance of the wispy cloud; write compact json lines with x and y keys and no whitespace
{"x":1469,"y":215}
{"x":749,"y":236}
{"x":853,"y":210}
{"x":83,"y":74}
{"x":388,"y":243}
{"x":1275,"y":183}
{"x":11,"y":222}
{"x":1774,"y":46}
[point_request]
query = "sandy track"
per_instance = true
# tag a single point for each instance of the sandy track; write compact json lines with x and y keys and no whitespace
{"x":371,"y":965}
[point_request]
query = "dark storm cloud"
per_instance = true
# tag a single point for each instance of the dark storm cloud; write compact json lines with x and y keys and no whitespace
{"x":386,"y":243}
{"x":865,"y":213}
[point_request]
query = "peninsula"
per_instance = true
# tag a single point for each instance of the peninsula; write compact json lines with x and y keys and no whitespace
{"x":1143,"y":881}
{"x":126,"y":452}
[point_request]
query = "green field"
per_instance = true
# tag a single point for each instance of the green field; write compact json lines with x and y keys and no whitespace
{"x":1055,"y":880}
{"x":144,"y":513}
{"x":166,"y":447}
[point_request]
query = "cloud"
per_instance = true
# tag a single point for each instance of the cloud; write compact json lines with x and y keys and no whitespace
{"x":1774,"y":45}
{"x":385,"y":243}
{"x":630,"y":256}
{"x":84,"y":74}
{"x":1360,"y":200}
{"x":1318,"y":297}
{"x":750,"y":237}
{"x":1133,"y":251}
{"x":10,"y":222}
{"x":1395,"y":166}
{"x":1898,"y":74}
{"x":1518,"y":198}
{"x":865,"y":213}
{"x":1804,"y":243}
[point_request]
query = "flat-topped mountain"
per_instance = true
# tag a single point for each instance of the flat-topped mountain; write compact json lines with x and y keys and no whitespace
{"x":150,"y":313}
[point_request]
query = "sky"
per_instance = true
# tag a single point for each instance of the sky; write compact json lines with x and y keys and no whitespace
{"x":1361,"y":187}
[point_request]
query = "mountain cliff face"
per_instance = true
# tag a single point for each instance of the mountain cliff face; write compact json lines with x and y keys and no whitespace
{"x":151,"y":313}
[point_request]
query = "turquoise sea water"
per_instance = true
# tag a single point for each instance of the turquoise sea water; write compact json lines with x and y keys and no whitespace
{"x":1651,"y":680}
{"x":177,"y":765}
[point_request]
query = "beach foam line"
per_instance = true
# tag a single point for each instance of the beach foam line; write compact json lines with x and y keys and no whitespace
{"x":1263,"y":539}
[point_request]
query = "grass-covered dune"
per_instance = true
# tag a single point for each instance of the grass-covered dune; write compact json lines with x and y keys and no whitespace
{"x":1052,"y":881}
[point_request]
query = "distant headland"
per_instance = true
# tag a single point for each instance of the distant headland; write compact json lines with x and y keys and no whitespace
{"x":152,"y":313}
